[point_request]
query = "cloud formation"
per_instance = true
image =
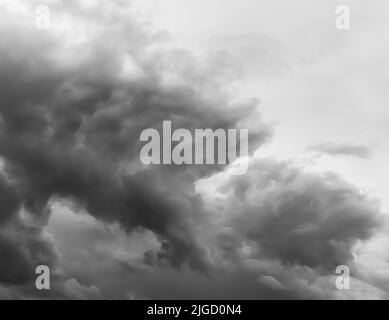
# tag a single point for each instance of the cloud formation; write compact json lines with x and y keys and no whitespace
{"x":73,"y":101}
{"x":74,"y":108}
{"x":346,"y":149}
{"x":299,"y":218}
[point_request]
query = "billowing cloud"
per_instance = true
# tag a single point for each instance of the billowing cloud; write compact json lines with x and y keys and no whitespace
{"x":73,"y":101}
{"x":74,"y":108}
{"x":296,"y":217}
{"x":345,"y":149}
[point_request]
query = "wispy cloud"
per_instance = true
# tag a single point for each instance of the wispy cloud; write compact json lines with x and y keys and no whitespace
{"x":342,"y":149}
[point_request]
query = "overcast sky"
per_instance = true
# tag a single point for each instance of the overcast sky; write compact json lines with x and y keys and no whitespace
{"x":74,"y":98}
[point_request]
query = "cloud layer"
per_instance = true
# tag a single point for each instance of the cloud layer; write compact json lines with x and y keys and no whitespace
{"x":73,"y":101}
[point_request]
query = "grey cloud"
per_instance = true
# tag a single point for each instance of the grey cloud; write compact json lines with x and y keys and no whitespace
{"x":283,"y":235}
{"x":70,"y":119}
{"x":345,"y":149}
{"x":70,"y":125}
{"x":300,"y":218}
{"x":22,"y":249}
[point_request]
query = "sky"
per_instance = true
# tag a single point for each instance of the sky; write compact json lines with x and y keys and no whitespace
{"x":75,"y":96}
{"x":316,"y":83}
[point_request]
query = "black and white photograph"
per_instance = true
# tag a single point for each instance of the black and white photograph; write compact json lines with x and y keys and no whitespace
{"x":194,"y":150}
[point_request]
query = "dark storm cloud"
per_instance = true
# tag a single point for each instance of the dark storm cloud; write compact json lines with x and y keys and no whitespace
{"x":22,"y":244}
{"x":22,"y":249}
{"x":71,"y":116}
{"x":72,"y":106}
{"x":345,"y":149}
{"x":300,"y":218}
{"x":9,"y":200}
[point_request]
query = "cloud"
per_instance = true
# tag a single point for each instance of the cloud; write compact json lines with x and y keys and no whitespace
{"x":73,"y":101}
{"x":77,"y":291}
{"x":336,"y":149}
{"x":299,"y":218}
{"x":73,"y":109}
{"x":22,"y":249}
{"x":277,"y":232}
